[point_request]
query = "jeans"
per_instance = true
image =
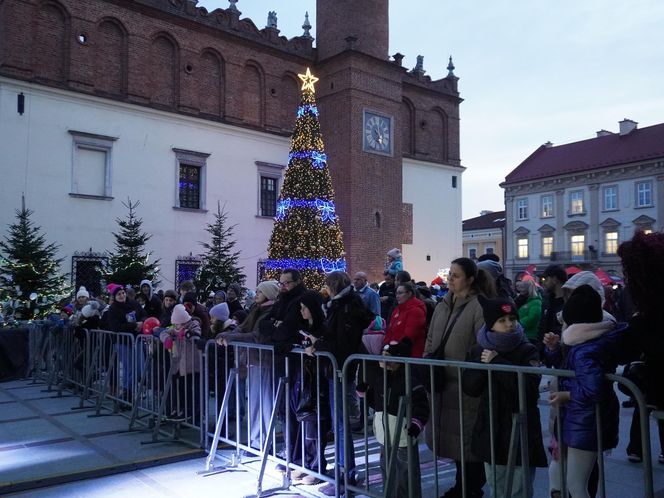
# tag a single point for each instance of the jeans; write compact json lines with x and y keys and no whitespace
{"x":342,"y":440}
{"x":399,"y":483}
{"x":132,"y":368}
{"x":517,"y":481}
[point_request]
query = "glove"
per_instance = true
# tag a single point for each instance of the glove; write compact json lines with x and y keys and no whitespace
{"x":168,"y":343}
{"x":414,"y":428}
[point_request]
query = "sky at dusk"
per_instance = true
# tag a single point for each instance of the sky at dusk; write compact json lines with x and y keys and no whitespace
{"x":530,"y":71}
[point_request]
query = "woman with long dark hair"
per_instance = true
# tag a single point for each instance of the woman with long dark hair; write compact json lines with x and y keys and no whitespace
{"x":643,"y":268}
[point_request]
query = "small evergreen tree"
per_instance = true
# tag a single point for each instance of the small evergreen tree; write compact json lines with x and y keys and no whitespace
{"x":29,"y":270}
{"x":219,"y":264}
{"x":130,"y":262}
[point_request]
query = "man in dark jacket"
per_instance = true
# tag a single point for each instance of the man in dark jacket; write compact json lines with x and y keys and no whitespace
{"x":153,"y":306}
{"x":554,"y":278}
{"x":386,"y":293}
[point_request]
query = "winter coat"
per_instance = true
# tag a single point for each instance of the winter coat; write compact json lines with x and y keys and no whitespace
{"x":530,"y":315}
{"x":184,"y":350}
{"x":595,"y":349}
{"x":395,"y":266}
{"x":378,"y":399}
{"x":153,"y":305}
{"x":122,"y":317}
{"x":249,"y":332}
{"x":387,"y":306}
{"x":409,"y":320}
{"x":646,"y":337}
{"x":233,"y":306}
{"x":347,"y":317}
{"x":204,"y":317}
{"x":370,"y":299}
{"x":462,"y":338}
{"x":165,"y":318}
{"x":505,"y":397}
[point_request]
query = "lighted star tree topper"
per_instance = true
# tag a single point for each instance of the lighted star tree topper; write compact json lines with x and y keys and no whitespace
{"x":306,"y":234}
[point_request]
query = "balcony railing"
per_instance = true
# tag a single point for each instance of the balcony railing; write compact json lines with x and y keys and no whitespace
{"x":569,"y":257}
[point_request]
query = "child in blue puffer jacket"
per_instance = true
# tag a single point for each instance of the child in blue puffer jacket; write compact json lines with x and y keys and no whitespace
{"x":594,"y":349}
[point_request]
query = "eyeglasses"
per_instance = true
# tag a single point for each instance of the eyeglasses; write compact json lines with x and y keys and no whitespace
{"x":402,"y":292}
{"x":283,"y":284}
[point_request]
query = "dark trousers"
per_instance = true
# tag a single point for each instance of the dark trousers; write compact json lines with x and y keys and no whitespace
{"x":399,"y":484}
{"x":475,"y":479}
{"x":634,"y":447}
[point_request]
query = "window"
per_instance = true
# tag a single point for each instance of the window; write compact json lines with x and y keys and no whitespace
{"x":610,"y":198}
{"x":547,"y":246}
{"x":488,"y":250}
{"x":578,"y":245}
{"x":268,"y":196}
{"x":190,"y":186}
{"x":547,"y":206}
{"x":454,"y":182}
{"x":522,"y":209}
{"x":647,"y":231}
{"x":91,"y":165}
{"x":522,"y":248}
{"x":472,"y":253}
{"x":611,"y":242}
{"x":576,"y":202}
{"x":643,"y":194}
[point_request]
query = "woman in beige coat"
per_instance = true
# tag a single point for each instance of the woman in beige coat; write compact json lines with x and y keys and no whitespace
{"x":460,"y":315}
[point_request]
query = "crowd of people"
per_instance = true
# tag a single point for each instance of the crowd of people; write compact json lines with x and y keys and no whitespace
{"x":476,"y":316}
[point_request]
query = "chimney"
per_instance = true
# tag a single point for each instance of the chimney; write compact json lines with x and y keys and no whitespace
{"x":603,"y":133}
{"x":548,"y":145}
{"x":485,"y":212}
{"x":627,"y":126}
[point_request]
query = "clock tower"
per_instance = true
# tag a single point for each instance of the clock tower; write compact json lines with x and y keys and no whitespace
{"x":369,"y":106}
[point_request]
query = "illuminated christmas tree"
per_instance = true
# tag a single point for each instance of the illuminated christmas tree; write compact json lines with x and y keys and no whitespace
{"x":306,"y":234}
{"x":29,"y":270}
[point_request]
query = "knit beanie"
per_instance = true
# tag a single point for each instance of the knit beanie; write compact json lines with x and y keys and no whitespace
{"x":583,"y":306}
{"x":171,"y":293}
{"x":82,"y":292}
{"x":269,"y":288}
{"x":116,"y":288}
{"x":110,"y":288}
{"x":377,"y":324}
{"x":220,"y":312}
{"x":190,"y":297}
{"x":179,"y":315}
{"x":586,"y":278}
{"x":394,"y":253}
{"x":493,"y":309}
{"x":491,"y":267}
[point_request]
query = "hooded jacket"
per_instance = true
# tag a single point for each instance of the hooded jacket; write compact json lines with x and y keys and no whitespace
{"x":153,"y":305}
{"x":409,"y":320}
{"x":122,"y":317}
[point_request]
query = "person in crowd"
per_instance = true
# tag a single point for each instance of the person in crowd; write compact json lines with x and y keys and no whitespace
{"x":197,"y":310}
{"x":233,"y":298}
{"x":309,"y":392}
{"x":259,"y":364}
{"x":281,"y":330}
{"x":643,"y":267}
{"x":82,"y":297}
{"x":454,"y":325}
{"x":131,"y":292}
{"x":209,"y":302}
{"x":553,"y":279}
{"x":220,"y":320}
{"x":408,"y":320}
{"x":387,"y":296}
{"x":126,"y":316}
{"x":530,"y":311}
{"x":426,"y":297}
{"x":347,"y":317}
{"x":594,"y":348}
{"x":386,"y":407}
{"x":504,"y":285}
{"x":170,"y":300}
{"x":249,"y":299}
{"x":394,"y":262}
{"x":502,"y":341}
{"x":219,"y":297}
{"x":185,"y":287}
{"x":369,"y":296}
{"x":179,"y":340}
{"x":153,"y":305}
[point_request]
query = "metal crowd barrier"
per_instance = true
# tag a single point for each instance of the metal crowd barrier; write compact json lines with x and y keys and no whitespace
{"x":242,"y":396}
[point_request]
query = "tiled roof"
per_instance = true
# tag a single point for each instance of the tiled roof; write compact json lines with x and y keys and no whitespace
{"x":608,"y":150}
{"x":491,"y":220}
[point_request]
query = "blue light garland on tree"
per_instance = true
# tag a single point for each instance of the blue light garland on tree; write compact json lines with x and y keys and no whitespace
{"x":306,"y":234}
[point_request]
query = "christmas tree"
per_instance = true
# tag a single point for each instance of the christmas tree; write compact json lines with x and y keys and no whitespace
{"x":130,"y":262}
{"x":306,"y":234}
{"x":219,"y":266}
{"x":29,"y":271}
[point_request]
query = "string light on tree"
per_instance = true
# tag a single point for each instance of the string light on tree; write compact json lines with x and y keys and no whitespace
{"x":306,"y":234}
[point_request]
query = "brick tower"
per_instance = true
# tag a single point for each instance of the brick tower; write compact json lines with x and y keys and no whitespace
{"x":360,"y":95}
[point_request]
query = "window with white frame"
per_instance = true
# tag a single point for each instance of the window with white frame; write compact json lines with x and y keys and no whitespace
{"x":522,"y":209}
{"x":611,"y":242}
{"x":91,"y":164}
{"x":611,"y":198}
{"x":547,"y":206}
{"x":578,"y":245}
{"x":644,"y":194}
{"x":576,"y":202}
{"x":472,"y":252}
{"x":489,"y":250}
{"x":547,"y":246}
{"x":190,"y":179}
{"x":522,"y":247}
{"x":269,"y":179}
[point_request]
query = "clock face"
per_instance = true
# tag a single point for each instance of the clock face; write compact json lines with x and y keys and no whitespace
{"x":377,"y":133}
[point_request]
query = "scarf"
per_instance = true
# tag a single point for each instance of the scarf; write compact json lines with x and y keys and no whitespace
{"x":501,"y":342}
{"x":579,"y":333}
